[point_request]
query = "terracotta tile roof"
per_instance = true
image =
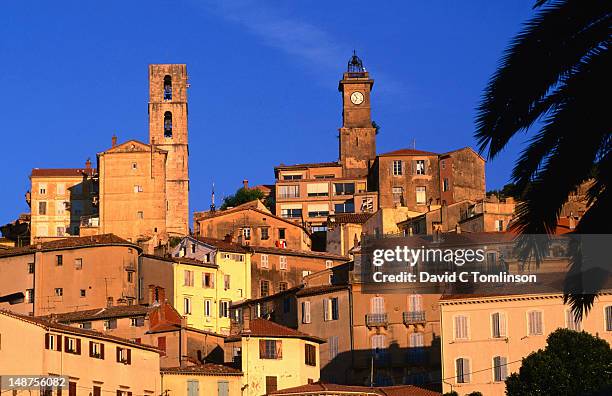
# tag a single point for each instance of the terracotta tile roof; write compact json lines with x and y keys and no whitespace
{"x":323,"y":289}
{"x":62,"y":172}
{"x":300,"y":253}
{"x":354,"y":218}
{"x":70,"y":243}
{"x":224,"y":246}
{"x":322,"y":388}
{"x":254,"y":301}
{"x":265,"y":328}
{"x":182,"y":260}
{"x":312,"y":165}
{"x":406,"y":151}
{"x":202,"y":369}
{"x":121,"y":311}
{"x":41,"y":322}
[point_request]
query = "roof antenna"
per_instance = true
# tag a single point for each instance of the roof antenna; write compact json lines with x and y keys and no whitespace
{"x":414,"y":144}
{"x":212,"y":199}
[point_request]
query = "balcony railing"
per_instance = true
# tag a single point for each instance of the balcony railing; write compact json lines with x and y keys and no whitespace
{"x":289,"y":195}
{"x":377,"y":319}
{"x":414,"y":317}
{"x":90,"y":221}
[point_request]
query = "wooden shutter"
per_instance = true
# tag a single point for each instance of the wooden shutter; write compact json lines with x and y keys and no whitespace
{"x":279,"y":349}
{"x":129,"y":356}
{"x":47,"y":336}
{"x":97,"y":391}
{"x":90,"y":348}
{"x":262,"y":349}
{"x":58,"y":345}
{"x":271,"y":385}
{"x":59,"y":391}
{"x":66,"y":344}
{"x":72,"y":389}
{"x":118,"y":355}
{"x":101,"y":350}
{"x":78,"y":346}
{"x":326,"y":309}
{"x":305,"y":311}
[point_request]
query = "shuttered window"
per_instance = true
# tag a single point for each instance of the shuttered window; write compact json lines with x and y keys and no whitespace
{"x":270,"y":349}
{"x":500,"y":368}
{"x":498,"y":325}
{"x":332,"y":344}
{"x":317,"y":189}
{"x":462,"y":367}
{"x":310,"y":355}
{"x":571,"y":322}
{"x":305,"y":311}
{"x":534,"y":323}
{"x":608,"y":318}
{"x":461,"y":327}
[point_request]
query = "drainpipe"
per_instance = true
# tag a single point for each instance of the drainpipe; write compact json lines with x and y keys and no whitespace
{"x":351,"y":330}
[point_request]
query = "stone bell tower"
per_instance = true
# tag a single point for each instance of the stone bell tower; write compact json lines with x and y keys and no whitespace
{"x":168,"y":131}
{"x":357,"y":136}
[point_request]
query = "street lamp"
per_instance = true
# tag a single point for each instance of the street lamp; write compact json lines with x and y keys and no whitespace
{"x":13,"y":299}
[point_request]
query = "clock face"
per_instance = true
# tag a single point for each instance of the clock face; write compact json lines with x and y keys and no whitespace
{"x":357,"y":97}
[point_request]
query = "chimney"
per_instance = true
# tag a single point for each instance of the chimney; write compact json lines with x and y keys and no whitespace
{"x":114,"y":141}
{"x":227,"y":238}
{"x":88,"y":164}
{"x":157,"y":294}
{"x":245,"y":184}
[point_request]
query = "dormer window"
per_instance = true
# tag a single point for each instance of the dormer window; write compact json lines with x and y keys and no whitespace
{"x":168,"y":124}
{"x":167,"y":88}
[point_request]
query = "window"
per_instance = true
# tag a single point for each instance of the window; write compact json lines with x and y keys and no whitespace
{"x":330,"y":309}
{"x":134,"y":165}
{"x":53,"y":342}
{"x":265,"y":233}
{"x":110,"y":324}
{"x":73,"y":345}
{"x":332,"y":345}
{"x":188,"y":278}
{"x":344,"y":188}
{"x":318,"y":210}
{"x":83,"y":293}
{"x":324,"y":177}
{"x":421,"y":196}
{"x":271,"y":384}
{"x":270,"y":349}
{"x":224,"y":309}
{"x":462,"y":367}
{"x":207,"y":308}
{"x":445,"y":184}
{"x":264,"y":261}
{"x":500,"y":368}
{"x":317,"y":189}
{"x":78,"y":263}
{"x":187,"y":306}
{"x":377,"y":305}
{"x":137,"y":322}
{"x":571,"y":322}
{"x":167,"y":87}
{"x":291,"y":213}
{"x":398,"y":195}
{"x":137,"y":188}
{"x":416,"y":351}
{"x":282,"y":286}
{"x":282,"y":262}
{"x":264,"y":288}
{"x":226,"y":282}
{"x":140,"y":215}
{"x":379,"y":346}
{"x":420,"y":167}
{"x":42,"y":208}
{"x":305,"y":311}
{"x":61,"y":189}
{"x":59,"y":291}
{"x":499,"y":225}
{"x":443,"y":164}
{"x":329,"y":264}
{"x":30,"y":268}
{"x":281,"y":233}
{"x":246,"y":234}
{"x":86,"y":325}
{"x":345,"y":207}
{"x":168,"y":124}
{"x":498,"y":325}
{"x":60,"y":208}
{"x":461,"y":327}
{"x":96,"y":350}
{"x":124,"y":355}
{"x":130,"y":277}
{"x":608,"y":315}
{"x":534,"y":323}
{"x":292,"y":191}
{"x":208,"y":280}
{"x":29,"y":296}
{"x":60,"y":231}
{"x":398,"y":168}
{"x":310,"y":355}
{"x":193,"y":248}
{"x":161,"y":344}
{"x":292,"y":177}
{"x":42,"y":188}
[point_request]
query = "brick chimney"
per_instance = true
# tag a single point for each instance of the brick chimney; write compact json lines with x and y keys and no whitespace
{"x":157,"y":294}
{"x":114,"y":141}
{"x":88,"y":164}
{"x":245,"y":184}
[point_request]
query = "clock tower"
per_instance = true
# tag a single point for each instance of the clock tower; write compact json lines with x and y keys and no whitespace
{"x":357,"y":135}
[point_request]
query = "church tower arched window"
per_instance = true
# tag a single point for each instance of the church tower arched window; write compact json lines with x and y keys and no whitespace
{"x":168,"y":124}
{"x":167,"y":88}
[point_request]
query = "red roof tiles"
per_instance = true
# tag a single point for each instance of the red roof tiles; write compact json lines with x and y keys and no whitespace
{"x":70,"y":243}
{"x":266,"y":328}
{"x":406,"y":151}
{"x":202,"y":369}
{"x":322,"y":388}
{"x":62,"y":172}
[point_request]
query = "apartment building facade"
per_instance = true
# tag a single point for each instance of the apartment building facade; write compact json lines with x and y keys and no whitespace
{"x":485,"y":337}
{"x":94,"y":363}
{"x":71,"y":274}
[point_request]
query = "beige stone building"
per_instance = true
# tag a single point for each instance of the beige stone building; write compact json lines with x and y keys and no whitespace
{"x":70,"y":274}
{"x":344,"y":232}
{"x":93,"y":363}
{"x":58,"y":198}
{"x":484,"y":337}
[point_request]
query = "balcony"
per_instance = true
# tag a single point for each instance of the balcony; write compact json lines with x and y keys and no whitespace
{"x":414,"y":317}
{"x":90,"y":221}
{"x":377,"y":320}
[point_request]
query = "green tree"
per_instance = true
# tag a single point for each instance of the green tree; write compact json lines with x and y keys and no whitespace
{"x":242,"y":195}
{"x":451,"y":393}
{"x":508,"y":190}
{"x":553,"y":78}
{"x":572,"y":363}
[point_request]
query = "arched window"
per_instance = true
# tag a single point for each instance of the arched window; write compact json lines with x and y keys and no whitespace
{"x":168,"y":124}
{"x":167,"y":88}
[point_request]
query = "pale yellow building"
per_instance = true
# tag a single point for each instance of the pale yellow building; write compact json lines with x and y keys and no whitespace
{"x":58,"y":198}
{"x":93,"y":363}
{"x":273,"y":357}
{"x":484,"y":338}
{"x":206,"y":379}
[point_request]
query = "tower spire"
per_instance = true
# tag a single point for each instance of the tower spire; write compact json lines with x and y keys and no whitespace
{"x":212,"y":199}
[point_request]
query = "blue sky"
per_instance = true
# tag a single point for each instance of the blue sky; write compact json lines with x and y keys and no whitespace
{"x":263,"y":80}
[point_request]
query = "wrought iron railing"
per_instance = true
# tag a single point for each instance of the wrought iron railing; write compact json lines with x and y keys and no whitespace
{"x":377,"y":319}
{"x":414,"y":317}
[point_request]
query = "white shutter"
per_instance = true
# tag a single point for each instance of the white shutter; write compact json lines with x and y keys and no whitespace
{"x":466,"y":370}
{"x":318,"y":207}
{"x":377,"y":305}
{"x":326,"y":309}
{"x":415,"y":303}
{"x":291,"y":206}
{"x":306,"y":312}
{"x":461,"y":327}
{"x":317,"y":188}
